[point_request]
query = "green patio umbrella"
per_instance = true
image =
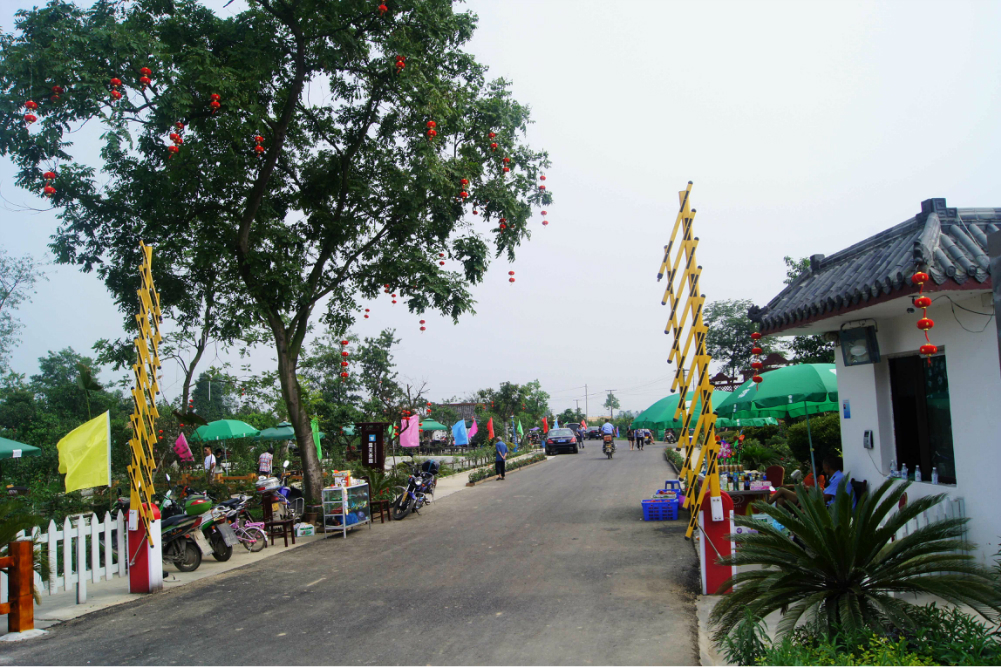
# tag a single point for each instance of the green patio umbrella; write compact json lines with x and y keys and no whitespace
{"x":11,"y":449}
{"x":432,"y":425}
{"x":224,"y":429}
{"x":791,"y":391}
{"x":661,"y":415}
{"x":284,"y":431}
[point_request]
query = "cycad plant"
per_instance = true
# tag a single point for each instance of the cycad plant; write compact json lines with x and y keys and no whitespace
{"x":843,"y":565}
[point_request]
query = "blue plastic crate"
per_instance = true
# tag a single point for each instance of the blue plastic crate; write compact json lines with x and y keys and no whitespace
{"x":673,"y":484}
{"x":656,"y":509}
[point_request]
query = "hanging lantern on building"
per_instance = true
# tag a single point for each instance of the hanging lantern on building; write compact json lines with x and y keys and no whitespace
{"x":920,"y":278}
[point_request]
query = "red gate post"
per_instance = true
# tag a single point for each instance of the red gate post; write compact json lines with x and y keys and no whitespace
{"x":21,"y":579}
{"x":714,"y":544}
{"x":146,"y":573}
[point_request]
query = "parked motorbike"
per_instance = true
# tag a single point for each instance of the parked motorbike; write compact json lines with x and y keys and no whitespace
{"x":177,"y":534}
{"x":213,"y":524}
{"x":291,"y":503}
{"x":420,"y":490}
{"x":608,"y":446}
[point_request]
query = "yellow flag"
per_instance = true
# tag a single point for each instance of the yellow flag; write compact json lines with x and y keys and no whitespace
{"x":85,"y":454}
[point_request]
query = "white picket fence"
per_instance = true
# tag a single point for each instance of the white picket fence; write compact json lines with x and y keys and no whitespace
{"x":84,"y":549}
{"x":951,"y":508}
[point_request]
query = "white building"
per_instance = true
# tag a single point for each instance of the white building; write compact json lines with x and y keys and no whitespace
{"x":898,"y":406}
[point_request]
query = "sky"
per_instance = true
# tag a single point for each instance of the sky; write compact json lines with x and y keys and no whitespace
{"x":805,"y":127}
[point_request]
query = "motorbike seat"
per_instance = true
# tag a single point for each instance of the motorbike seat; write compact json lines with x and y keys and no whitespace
{"x":232,"y":502}
{"x":173,"y":520}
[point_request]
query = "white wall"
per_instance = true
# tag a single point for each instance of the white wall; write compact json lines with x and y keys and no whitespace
{"x":972,"y":364}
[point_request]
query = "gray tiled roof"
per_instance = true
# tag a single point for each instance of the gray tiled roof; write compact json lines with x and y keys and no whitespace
{"x":949,"y":244}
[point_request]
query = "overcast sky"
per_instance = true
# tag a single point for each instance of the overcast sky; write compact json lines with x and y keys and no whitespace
{"x":805,"y":127}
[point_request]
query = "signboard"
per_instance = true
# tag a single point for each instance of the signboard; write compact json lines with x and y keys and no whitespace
{"x":372,"y":449}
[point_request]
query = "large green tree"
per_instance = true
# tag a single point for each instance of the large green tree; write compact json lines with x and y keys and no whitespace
{"x":349,"y":192}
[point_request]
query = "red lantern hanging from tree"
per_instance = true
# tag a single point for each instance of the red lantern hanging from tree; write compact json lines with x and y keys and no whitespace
{"x":542,"y":187}
{"x":214,"y":102}
{"x":56,"y":92}
{"x":144,"y":79}
{"x":464,"y":182}
{"x":494,"y":147}
{"x":491,"y":135}
{"x":400,"y":63}
{"x":756,"y":363}
{"x":259,"y":148}
{"x":383,"y":9}
{"x":920,"y":278}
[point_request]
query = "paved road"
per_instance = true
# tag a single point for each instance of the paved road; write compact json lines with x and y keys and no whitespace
{"x":551,"y":566}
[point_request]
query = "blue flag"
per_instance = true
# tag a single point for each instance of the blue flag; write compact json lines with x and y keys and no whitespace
{"x":459,"y":433}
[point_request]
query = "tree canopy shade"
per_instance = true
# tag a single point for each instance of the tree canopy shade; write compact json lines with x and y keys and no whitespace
{"x":378,"y":138}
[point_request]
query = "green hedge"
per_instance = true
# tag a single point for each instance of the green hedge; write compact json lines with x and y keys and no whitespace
{"x":826,"y":434}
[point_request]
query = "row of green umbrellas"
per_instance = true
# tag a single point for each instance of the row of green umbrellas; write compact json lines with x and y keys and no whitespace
{"x":792,"y":391}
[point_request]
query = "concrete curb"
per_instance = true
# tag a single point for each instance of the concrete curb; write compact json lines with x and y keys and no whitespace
{"x":489,"y":479}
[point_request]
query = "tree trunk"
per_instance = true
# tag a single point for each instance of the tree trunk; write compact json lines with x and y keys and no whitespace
{"x":312,"y":474}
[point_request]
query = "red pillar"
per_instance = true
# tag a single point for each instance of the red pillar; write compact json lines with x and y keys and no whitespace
{"x":713,"y":545}
{"x":146,"y":570}
{"x":20,"y":580}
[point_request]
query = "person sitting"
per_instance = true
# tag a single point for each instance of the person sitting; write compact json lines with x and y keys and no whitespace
{"x":831,"y":466}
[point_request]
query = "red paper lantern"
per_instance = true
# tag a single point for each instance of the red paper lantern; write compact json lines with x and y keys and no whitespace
{"x":366,"y":310}
{"x":923,"y":302}
{"x":48,"y":190}
{"x":474,"y":211}
{"x":491,"y":135}
{"x":542,"y":187}
{"x":757,"y":365}
{"x":344,"y":342}
{"x":115,"y":95}
{"x":56,"y":92}
{"x":422,"y":321}
{"x":31,"y":104}
{"x":394,"y":296}
{"x":180,"y":425}
{"x":146,"y":71}
{"x":259,"y":139}
{"x":441,"y":254}
{"x":344,"y":363}
{"x":172,"y":150}
{"x":756,"y":350}
{"x":494,"y":147}
{"x":756,"y":379}
{"x":215,"y":97}
{"x":160,"y":431}
{"x":115,"y":82}
{"x":504,"y":219}
{"x":511,"y":280}
{"x":756,"y":336}
{"x":383,"y":9}
{"x":145,"y":80}
{"x":545,"y":222}
{"x":394,"y":301}
{"x":259,"y":149}
{"x":506,"y":160}
{"x":430,"y":124}
{"x":542,"y":177}
{"x":511,"y":273}
{"x":30,"y":118}
{"x":180,"y":126}
{"x":49,"y":175}
{"x":366,"y":316}
{"x":423,"y":328}
{"x":506,"y":170}
{"x":464,"y":195}
{"x":463,"y":182}
{"x":503,"y":226}
{"x":432,"y":134}
{"x":919,"y":278}
{"x":428,"y":404}
{"x":543,"y":213}
{"x":344,"y":353}
{"x":344,"y":375}
{"x":387,"y":286}
{"x":925,"y":324}
{"x":215,"y":106}
{"x":441,"y":263}
{"x":928,"y":349}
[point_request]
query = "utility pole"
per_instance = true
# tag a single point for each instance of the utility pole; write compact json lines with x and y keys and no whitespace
{"x":586,"y":402}
{"x":612,"y":411}
{"x":577,"y":405}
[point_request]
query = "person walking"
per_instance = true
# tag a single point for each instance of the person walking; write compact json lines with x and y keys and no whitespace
{"x":630,"y":435}
{"x":210,"y":460}
{"x":500,"y":456}
{"x":641,"y":438}
{"x":264,"y":462}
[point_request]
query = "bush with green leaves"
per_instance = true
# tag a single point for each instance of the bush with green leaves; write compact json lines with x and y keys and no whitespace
{"x":826,"y":435}
{"x":843,"y":565}
{"x":513,"y":464}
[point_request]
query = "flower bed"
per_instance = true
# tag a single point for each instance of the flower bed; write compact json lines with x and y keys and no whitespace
{"x":514,"y":464}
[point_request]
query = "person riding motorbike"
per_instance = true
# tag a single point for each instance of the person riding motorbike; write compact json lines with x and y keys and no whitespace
{"x":608,"y":431}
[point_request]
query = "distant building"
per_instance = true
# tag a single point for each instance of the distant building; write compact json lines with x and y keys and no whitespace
{"x":898,"y":406}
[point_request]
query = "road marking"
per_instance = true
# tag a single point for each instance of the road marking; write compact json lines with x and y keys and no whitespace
{"x":280,"y":634}
{"x":315,"y":582}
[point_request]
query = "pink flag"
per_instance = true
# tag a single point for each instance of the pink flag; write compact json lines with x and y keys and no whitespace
{"x":182,"y":449}
{"x":473,"y":429}
{"x":410,"y":432}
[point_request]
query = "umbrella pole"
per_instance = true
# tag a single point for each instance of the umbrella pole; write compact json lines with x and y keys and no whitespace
{"x":810,"y":445}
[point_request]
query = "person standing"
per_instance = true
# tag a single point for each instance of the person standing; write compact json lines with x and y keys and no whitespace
{"x":500,"y":456}
{"x":210,"y":460}
{"x":265,"y":461}
{"x":641,"y":438}
{"x":631,"y":434}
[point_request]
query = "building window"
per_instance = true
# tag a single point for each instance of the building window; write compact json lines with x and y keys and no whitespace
{"x":920,"y":397}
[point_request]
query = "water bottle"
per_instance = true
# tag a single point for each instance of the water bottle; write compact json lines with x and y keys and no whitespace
{"x":894,"y":469}
{"x":904,"y":472}
{"x":918,"y":474}
{"x":935,"y":475}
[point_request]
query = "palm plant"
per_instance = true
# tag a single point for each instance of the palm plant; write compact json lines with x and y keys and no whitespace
{"x":843,"y":565}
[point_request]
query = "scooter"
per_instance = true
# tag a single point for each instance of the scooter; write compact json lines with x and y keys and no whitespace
{"x":420,"y":490}
{"x":218,"y":536}
{"x":608,"y":446}
{"x":290,"y":500}
{"x":177,"y":534}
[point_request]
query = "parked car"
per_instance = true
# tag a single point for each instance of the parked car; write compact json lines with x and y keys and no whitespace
{"x":558,"y":439}
{"x":594,"y":433}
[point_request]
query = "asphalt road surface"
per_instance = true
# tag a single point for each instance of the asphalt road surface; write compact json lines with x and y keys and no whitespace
{"x":550,"y":566}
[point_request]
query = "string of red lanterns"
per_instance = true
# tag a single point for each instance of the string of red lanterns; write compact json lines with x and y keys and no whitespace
{"x":56,"y":92}
{"x":401,"y":63}
{"x":259,"y":148}
{"x":214,"y":103}
{"x":49,"y":177}
{"x":431,"y":125}
{"x":512,"y":278}
{"x":115,"y":84}
{"x":422,"y":326}
{"x":545,"y":221}
{"x":756,"y":358}
{"x":925,"y":323}
{"x":31,"y":106}
{"x":144,"y":79}
{"x":344,"y":360}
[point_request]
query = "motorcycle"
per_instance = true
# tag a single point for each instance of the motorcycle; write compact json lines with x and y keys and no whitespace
{"x":420,"y":490}
{"x":608,"y":446}
{"x":214,"y":524}
{"x":290,"y":500}
{"x":178,"y":532}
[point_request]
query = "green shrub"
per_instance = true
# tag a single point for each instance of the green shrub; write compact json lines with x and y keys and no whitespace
{"x":842,"y":567}
{"x":826,"y":434}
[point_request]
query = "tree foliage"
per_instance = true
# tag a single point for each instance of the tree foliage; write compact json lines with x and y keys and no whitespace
{"x":728,"y":337}
{"x":349,"y":194}
{"x":18,"y":276}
